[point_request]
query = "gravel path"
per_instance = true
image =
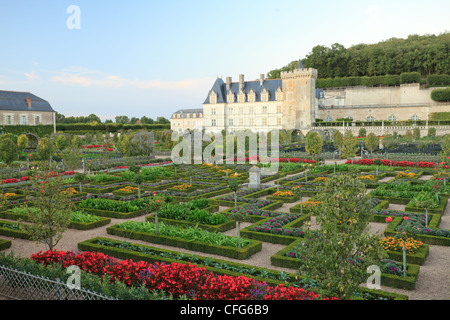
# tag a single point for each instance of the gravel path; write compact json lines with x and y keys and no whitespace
{"x":433,"y":282}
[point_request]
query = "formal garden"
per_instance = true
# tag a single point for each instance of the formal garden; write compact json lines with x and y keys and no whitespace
{"x":151,"y":229}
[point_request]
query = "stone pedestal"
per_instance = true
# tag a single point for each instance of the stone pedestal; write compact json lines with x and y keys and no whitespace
{"x":254,"y":178}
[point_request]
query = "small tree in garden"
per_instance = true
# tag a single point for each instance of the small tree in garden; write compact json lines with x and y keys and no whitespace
{"x":22,"y":142}
{"x":138,"y":179}
{"x":44,"y":149}
{"x":349,"y":145}
{"x":80,"y":178}
{"x":8,"y":150}
{"x":409,"y":135}
{"x":233,"y":185}
{"x":314,"y":143}
{"x":416,"y":133}
{"x":61,"y":142}
{"x":156,"y":204}
{"x":338,"y":140}
{"x":362,"y":132}
{"x":339,"y":255}
{"x":431,"y":132}
{"x":49,"y":211}
{"x":372,"y":142}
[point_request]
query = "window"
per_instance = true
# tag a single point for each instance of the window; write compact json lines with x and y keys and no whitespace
{"x":241,"y":121}
{"x":328,"y":119}
{"x":8,"y":119}
{"x":213,"y":122}
{"x":230,"y":97}
{"x":265,"y":122}
{"x":251,"y":110}
{"x":252,"y":121}
{"x":213,"y":98}
{"x":241,"y":110}
{"x":251,"y":96}
{"x":370,"y":119}
{"x":230,"y":122}
{"x":415,"y":118}
{"x":278,"y":109}
{"x":37,"y":120}
{"x":392,"y":118}
{"x":230,"y":110}
{"x":213,"y":111}
{"x":264,"y":109}
{"x":279,"y":121}
{"x":23,"y":120}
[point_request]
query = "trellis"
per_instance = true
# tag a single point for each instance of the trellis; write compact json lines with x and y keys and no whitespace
{"x":20,"y":285}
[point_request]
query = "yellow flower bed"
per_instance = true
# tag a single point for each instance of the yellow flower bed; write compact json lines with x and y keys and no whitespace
{"x":320,"y":179}
{"x":312,"y":203}
{"x":367,"y":177}
{"x":283,"y":194}
{"x":128,"y":189}
{"x":409,"y":175}
{"x":392,"y":244}
{"x":10,"y":195}
{"x":181,"y":187}
{"x":69,"y":191}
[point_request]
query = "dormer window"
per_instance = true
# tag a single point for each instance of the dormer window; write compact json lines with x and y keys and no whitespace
{"x":241,"y":97}
{"x":279,"y":94}
{"x":213,"y":97}
{"x":265,"y":95}
{"x":251,"y":96}
{"x":230,"y":97}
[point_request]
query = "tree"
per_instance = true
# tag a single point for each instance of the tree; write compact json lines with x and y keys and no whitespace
{"x":8,"y":150}
{"x":239,"y":216}
{"x":338,"y":255}
{"x":44,"y":148}
{"x":122,"y":119}
{"x":372,"y":142}
{"x":362,"y":132}
{"x":314,"y":143}
{"x":416,"y":133}
{"x":49,"y":212}
{"x":349,"y":145}
{"x":22,"y":142}
{"x":80,"y":178}
{"x":338,"y":140}
{"x":61,"y":142}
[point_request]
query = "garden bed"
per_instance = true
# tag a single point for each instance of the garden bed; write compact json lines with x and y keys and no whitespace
{"x":227,"y":251}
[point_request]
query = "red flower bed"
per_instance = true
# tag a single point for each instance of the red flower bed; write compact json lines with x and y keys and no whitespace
{"x":177,"y":278}
{"x":421,"y":164}
{"x":11,"y":180}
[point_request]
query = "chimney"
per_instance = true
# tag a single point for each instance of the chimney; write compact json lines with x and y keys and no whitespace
{"x":29,"y":102}
{"x":261,"y":79}
{"x":241,"y":82}
{"x":228,"y":83}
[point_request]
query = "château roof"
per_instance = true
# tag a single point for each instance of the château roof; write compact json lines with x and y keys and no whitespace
{"x":17,"y":101}
{"x":270,"y":85}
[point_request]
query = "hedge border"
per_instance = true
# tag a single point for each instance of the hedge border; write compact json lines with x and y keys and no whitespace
{"x":235,"y":253}
{"x":5,"y":244}
{"x":73,"y":225}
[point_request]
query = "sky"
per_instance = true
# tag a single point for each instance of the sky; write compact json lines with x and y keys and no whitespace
{"x":151,"y":58}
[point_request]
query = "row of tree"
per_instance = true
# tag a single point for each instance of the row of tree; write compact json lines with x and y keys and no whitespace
{"x":92,"y":118}
{"x":427,"y":54}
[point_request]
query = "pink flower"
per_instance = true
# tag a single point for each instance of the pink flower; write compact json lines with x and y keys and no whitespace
{"x":388,"y":219}
{"x":405,"y":218}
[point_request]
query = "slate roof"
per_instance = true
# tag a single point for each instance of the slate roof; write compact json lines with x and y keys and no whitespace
{"x":220,"y":88}
{"x":185,"y":112}
{"x":17,"y":101}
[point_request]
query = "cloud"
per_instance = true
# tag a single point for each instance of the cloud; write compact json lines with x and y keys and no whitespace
{"x":76,"y":75}
{"x":32,"y":76}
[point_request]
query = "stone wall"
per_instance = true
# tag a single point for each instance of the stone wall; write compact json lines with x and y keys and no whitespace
{"x":30,"y":117}
{"x":402,"y":102}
